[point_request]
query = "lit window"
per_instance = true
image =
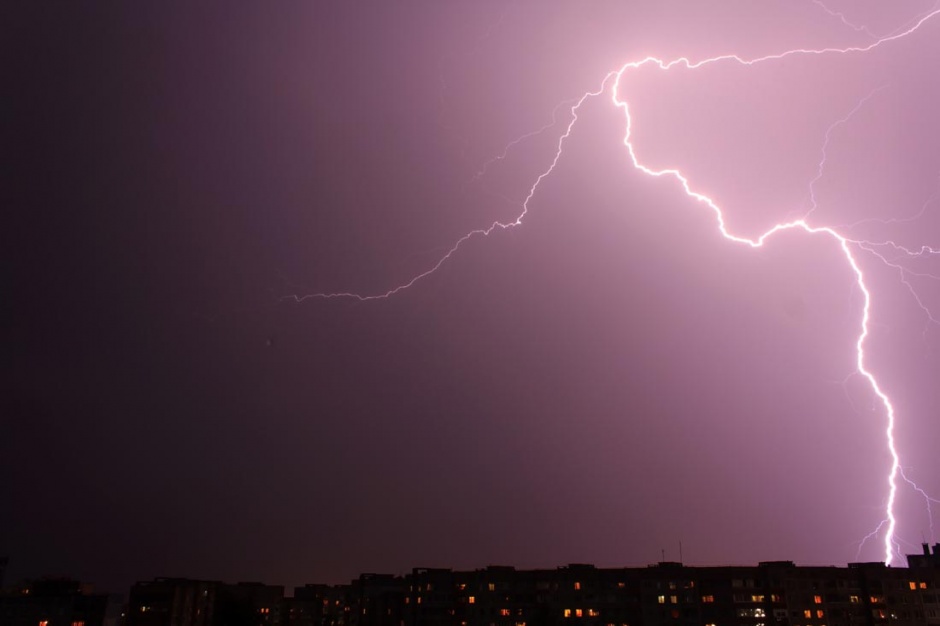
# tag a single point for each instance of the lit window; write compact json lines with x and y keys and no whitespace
{"x":471,"y":600}
{"x":592,"y":613}
{"x":808,"y":614}
{"x":578,"y":613}
{"x":817,"y":599}
{"x":78,"y":623}
{"x":913,"y":585}
{"x":567,"y":612}
{"x":923,"y":585}
{"x":661,"y":599}
{"x":757,"y":598}
{"x":621,"y":585}
{"x":577,"y":586}
{"x":854,"y":599}
{"x":819,"y":614}
{"x":776,"y":598}
{"x":419,"y":599}
{"x":673,"y":600}
{"x":491,"y":587}
{"x":708,"y":599}
{"x":44,"y":623}
{"x":504,"y":612}
{"x":462,"y":586}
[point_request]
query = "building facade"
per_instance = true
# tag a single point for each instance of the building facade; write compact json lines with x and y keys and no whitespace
{"x":774,"y":593}
{"x":53,"y":602}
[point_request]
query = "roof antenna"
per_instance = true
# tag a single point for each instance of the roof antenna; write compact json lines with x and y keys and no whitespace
{"x":680,"y":551}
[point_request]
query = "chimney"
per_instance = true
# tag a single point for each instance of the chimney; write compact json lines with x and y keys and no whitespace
{"x":936,"y":549}
{"x":926,"y":547}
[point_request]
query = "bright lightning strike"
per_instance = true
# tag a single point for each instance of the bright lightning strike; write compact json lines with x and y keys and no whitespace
{"x":610,"y":85}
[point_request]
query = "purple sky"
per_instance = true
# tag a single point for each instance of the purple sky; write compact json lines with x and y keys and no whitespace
{"x":606,"y":380}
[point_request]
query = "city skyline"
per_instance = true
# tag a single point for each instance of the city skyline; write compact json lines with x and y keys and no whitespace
{"x":779,"y":592}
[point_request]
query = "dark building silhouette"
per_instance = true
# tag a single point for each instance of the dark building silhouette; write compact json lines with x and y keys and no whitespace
{"x":377,"y":600}
{"x":250,"y":604}
{"x":317,"y":605}
{"x":185,"y":602}
{"x":670,"y":593}
{"x":53,"y":602}
{"x":773,"y":593}
{"x":172,"y":602}
{"x":927,"y":559}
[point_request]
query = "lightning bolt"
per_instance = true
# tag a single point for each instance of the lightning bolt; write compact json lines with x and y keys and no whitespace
{"x":611,"y":85}
{"x":515,"y":142}
{"x":842,"y":18}
{"x":822,"y":160}
{"x":861,"y":28}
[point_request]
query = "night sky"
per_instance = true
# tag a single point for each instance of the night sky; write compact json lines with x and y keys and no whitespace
{"x":598,"y":384}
